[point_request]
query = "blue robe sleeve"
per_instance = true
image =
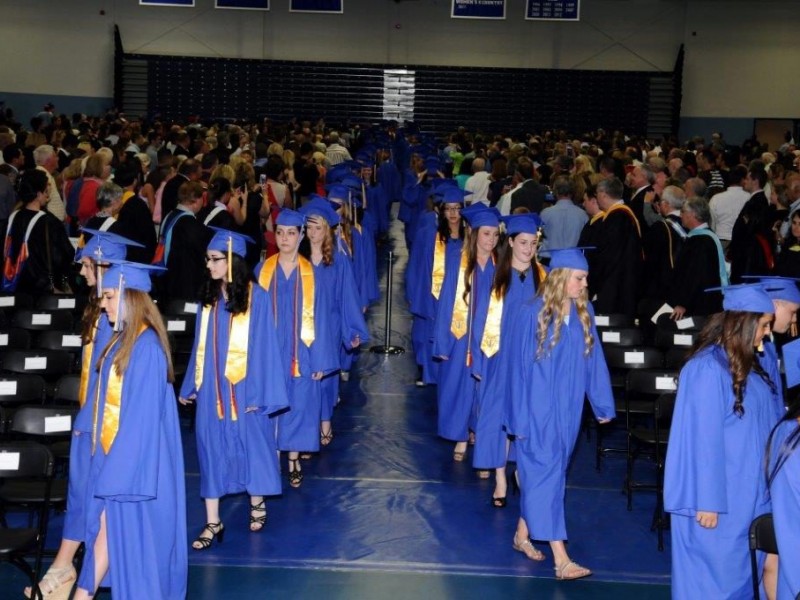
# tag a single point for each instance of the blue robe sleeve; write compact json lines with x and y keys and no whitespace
{"x":598,"y":380}
{"x":188,"y":388}
{"x":130,"y":470}
{"x":419,"y":273}
{"x":324,"y":350}
{"x":694,"y":478}
{"x":769,"y":362}
{"x":266,"y":385}
{"x":519,"y":362}
{"x":443,"y":340}
{"x":352,"y":317}
{"x":785,"y":494}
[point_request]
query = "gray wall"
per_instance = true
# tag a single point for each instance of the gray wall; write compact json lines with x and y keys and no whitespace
{"x":739,"y":55}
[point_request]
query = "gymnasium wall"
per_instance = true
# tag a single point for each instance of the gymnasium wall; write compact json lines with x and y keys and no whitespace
{"x":739,"y":55}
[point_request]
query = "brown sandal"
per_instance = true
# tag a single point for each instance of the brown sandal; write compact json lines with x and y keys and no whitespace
{"x":528,"y":549}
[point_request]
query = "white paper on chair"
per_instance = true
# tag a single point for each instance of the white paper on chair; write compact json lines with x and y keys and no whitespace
{"x":35,"y":363}
{"x":190,"y":307}
{"x":57,"y":423}
{"x":612,"y":337}
{"x":602,"y":320}
{"x":66,"y":303}
{"x":9,"y":461}
{"x":634,"y":358}
{"x":176,"y":325}
{"x":71,"y":341}
{"x":41,"y":319}
{"x":686,"y":323}
{"x":666,"y":383}
{"x":682,"y":339}
{"x":665,"y":308}
{"x":8,"y":388}
{"x":3,"y":339}
{"x":6,"y":301}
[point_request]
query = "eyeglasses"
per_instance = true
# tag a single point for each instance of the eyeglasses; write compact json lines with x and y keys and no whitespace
{"x":452,"y":209}
{"x":214,"y":259}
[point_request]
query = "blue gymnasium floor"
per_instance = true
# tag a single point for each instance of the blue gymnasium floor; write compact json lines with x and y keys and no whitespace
{"x":384,"y":512}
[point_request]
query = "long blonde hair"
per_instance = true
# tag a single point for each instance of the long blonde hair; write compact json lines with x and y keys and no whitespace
{"x":554,"y":293}
{"x":139,"y":311}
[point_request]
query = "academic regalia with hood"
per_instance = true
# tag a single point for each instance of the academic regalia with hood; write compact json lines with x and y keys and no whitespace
{"x":619,"y":261}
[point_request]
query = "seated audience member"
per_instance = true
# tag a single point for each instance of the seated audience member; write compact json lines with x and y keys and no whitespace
{"x":700,"y":265}
{"x":788,"y":263}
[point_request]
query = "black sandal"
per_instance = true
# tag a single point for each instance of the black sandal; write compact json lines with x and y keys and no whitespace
{"x":217,"y":530}
{"x":295,"y":475}
{"x":325,"y":438}
{"x":257,"y":523}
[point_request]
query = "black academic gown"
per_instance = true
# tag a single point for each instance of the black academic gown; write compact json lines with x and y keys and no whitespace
{"x":39,"y":269}
{"x":223,"y":219}
{"x":696,"y":270}
{"x":662,"y":244}
{"x":169,"y":197}
{"x":590,"y":237}
{"x":637,"y":205}
{"x":618,"y":262}
{"x":186,"y":263}
{"x":135,"y":222}
{"x":751,"y":250}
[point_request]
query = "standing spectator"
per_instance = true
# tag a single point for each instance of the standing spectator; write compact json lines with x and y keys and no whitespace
{"x":134,"y":220}
{"x":189,"y":170}
{"x":527,"y":195}
{"x":751,"y":251}
{"x":336,"y":153}
{"x":46,"y":160}
{"x":478,"y":183}
{"x":564,"y":221}
{"x":640,"y":180}
{"x":726,"y":206}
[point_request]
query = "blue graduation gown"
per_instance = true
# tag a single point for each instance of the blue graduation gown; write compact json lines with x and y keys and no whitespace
{"x":140,"y":484}
{"x":346,"y":320}
{"x":456,"y":386}
{"x":493,"y":377}
{"x":785,"y":495}
{"x":298,"y":428}
{"x":769,"y":362}
{"x":390,"y":179}
{"x":715,"y":463}
{"x":365,"y":264}
{"x":239,"y":455}
{"x":377,"y":208}
{"x":80,"y":449}
{"x":546,"y":402}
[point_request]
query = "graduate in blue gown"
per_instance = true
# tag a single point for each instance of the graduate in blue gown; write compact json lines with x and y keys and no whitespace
{"x":135,"y":498}
{"x":458,"y":328}
{"x":95,"y":334}
{"x":714,"y":484}
{"x":232,"y":378}
{"x":556,"y":361}
{"x":300,"y":311}
{"x":783,"y":480}
{"x":436,"y":247}
{"x":517,"y":277}
{"x":334,"y":276}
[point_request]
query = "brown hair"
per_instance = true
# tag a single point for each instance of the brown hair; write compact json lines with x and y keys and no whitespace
{"x":94,"y":166}
{"x":734,"y":331}
{"x":189,"y":192}
{"x":471,"y":247}
{"x":554,"y":293}
{"x":139,"y":311}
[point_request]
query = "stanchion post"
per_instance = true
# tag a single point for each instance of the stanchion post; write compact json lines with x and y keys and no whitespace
{"x":387,"y":347}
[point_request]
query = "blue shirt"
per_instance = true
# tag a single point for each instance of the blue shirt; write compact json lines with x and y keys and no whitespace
{"x":563,"y":223}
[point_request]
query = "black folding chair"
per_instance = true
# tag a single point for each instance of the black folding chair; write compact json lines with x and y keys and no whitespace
{"x":26,"y":461}
{"x":12,"y":302}
{"x":51,"y":364}
{"x":762,"y":537}
{"x":666,"y":323}
{"x":14,"y":338}
{"x":16,"y":389}
{"x":612,"y":320}
{"x":68,"y":302}
{"x":43,"y":320}
{"x":178,"y":307}
{"x":675,"y":339}
{"x":621,"y":336}
{"x":67,"y":390}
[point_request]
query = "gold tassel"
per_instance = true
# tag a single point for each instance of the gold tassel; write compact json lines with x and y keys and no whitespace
{"x":230,"y":259}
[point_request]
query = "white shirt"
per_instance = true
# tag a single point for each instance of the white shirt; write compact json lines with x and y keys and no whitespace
{"x":55,"y":206}
{"x":725,"y":208}
{"x":478,"y":184}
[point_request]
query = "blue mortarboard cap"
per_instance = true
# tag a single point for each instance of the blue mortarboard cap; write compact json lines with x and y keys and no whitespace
{"x":317,"y":206}
{"x":238,"y":242}
{"x":791,"y":362}
{"x":104,"y":245}
{"x":779,"y":288}
{"x":449,"y":194}
{"x":439,"y":183}
{"x":130,"y":275}
{"x":481,"y":216}
{"x":353,"y":182}
{"x":745,"y":297}
{"x":432,"y":165}
{"x":340,"y":193}
{"x":568,"y":258}
{"x":290,"y":218}
{"x":522,"y":223}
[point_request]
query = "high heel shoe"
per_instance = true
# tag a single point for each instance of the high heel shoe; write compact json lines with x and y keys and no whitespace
{"x":257,"y":523}
{"x":295,"y":474}
{"x":217,"y":531}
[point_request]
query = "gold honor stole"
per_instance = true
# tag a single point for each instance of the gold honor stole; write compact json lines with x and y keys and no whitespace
{"x":86,"y":365}
{"x":461,"y":322}
{"x":112,"y":408}
{"x":236,"y":361}
{"x":306,"y":276}
{"x":437,"y":278}
{"x":490,"y":343}
{"x":627,"y":209}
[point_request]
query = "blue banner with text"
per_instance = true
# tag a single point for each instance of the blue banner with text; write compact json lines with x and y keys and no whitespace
{"x":479,"y":9}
